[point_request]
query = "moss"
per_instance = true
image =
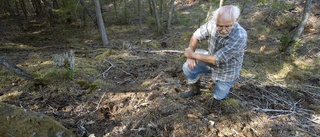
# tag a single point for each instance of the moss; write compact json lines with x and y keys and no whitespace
{"x":18,"y":122}
{"x":87,"y":85}
{"x":153,"y":44}
{"x":106,"y":54}
{"x":100,"y":83}
{"x":230,"y":105}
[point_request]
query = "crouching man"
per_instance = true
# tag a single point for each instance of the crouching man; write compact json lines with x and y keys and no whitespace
{"x":226,"y":45}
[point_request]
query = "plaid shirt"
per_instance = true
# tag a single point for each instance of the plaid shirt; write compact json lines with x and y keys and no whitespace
{"x":228,"y":51}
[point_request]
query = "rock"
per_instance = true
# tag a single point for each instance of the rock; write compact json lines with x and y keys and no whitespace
{"x":17,"y":122}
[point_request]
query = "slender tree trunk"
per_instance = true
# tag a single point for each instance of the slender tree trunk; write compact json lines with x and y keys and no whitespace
{"x":115,"y":8}
{"x":88,"y":12}
{"x":295,"y":38}
{"x":100,"y":23}
{"x":8,"y":8}
{"x":150,"y":7}
{"x":37,"y":7}
{"x":156,"y":14}
{"x":161,"y":12}
{"x":221,"y":3}
{"x":17,"y":8}
{"x":139,"y":10}
{"x":55,"y":4}
{"x":170,"y":14}
{"x":23,"y":7}
{"x":126,"y":12}
{"x":209,"y":13}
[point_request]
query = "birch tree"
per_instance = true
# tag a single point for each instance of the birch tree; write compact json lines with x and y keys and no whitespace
{"x":156,"y":14}
{"x":100,"y":23}
{"x":170,"y":14}
{"x":295,"y":38}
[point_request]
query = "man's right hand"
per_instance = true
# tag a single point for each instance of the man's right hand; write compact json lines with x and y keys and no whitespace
{"x":192,"y":63}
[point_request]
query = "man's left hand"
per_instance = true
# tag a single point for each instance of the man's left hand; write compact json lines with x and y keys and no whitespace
{"x":188,"y":52}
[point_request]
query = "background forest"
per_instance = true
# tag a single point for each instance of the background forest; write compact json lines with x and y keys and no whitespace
{"x":113,"y":68}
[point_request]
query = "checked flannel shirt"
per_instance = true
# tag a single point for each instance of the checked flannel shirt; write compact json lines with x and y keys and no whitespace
{"x":228,"y":51}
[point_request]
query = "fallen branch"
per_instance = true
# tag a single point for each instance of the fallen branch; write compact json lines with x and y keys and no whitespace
{"x":272,"y":110}
{"x":14,"y":68}
{"x":311,"y":86}
{"x":98,"y":106}
{"x":111,"y":66}
{"x":162,"y":51}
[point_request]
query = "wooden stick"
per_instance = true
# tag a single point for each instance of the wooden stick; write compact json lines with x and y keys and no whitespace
{"x":97,"y":108}
{"x":162,"y":51}
{"x":272,"y":110}
{"x":311,"y":86}
{"x":14,"y":68}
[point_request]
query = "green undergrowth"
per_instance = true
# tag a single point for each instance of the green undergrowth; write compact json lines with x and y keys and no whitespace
{"x":17,"y":121}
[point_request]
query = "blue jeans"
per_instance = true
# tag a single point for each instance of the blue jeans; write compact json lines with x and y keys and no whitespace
{"x":221,"y":88}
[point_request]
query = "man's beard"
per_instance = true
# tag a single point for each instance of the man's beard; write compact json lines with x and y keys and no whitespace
{"x":223,"y":35}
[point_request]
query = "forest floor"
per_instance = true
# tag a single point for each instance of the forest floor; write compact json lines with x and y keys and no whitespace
{"x":132,"y":88}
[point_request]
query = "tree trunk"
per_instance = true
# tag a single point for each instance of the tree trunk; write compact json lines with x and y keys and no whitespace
{"x":8,"y":7}
{"x":88,"y":12}
{"x":161,"y":12}
{"x":139,"y":10}
{"x":115,"y":8}
{"x":37,"y":7}
{"x":126,"y":12}
{"x":23,"y":7}
{"x":100,"y":23}
{"x":295,"y":38}
{"x":150,"y":7}
{"x":170,"y":14}
{"x":14,"y":68}
{"x":221,"y":3}
{"x":17,"y":8}
{"x":55,"y":4}
{"x":156,"y":14}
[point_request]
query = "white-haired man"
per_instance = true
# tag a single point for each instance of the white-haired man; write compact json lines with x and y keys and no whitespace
{"x":226,"y":44}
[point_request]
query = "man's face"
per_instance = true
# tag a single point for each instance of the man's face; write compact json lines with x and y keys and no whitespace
{"x":224,"y":27}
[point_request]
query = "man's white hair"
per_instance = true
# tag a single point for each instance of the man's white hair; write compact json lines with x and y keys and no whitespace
{"x":227,"y":12}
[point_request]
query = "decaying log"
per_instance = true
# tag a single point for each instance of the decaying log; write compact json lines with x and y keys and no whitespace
{"x":12,"y":67}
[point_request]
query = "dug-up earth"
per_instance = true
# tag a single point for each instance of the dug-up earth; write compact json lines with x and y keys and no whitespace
{"x":132,"y":88}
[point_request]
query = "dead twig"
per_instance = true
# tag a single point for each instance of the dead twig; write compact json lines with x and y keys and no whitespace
{"x":311,"y":86}
{"x":272,"y":110}
{"x":111,"y":66}
{"x":100,"y":101}
{"x":162,"y":51}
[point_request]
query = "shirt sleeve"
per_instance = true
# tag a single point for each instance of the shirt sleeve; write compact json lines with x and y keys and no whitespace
{"x":205,"y":30}
{"x":234,"y":46}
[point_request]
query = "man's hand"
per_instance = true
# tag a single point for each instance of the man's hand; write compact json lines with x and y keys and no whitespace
{"x":188,"y":52}
{"x":192,"y":63}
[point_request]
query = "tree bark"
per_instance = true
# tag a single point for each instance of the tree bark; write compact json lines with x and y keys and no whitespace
{"x":139,"y":10}
{"x":100,"y":23}
{"x":88,"y":11}
{"x":55,"y":4}
{"x":295,"y":38}
{"x":221,"y":3}
{"x":8,"y":7}
{"x":23,"y":7}
{"x":14,"y":68}
{"x":115,"y":8}
{"x":150,"y":7}
{"x":170,"y":14}
{"x":156,"y":14}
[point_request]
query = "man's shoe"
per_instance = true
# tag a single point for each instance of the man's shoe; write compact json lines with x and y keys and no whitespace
{"x":195,"y":90}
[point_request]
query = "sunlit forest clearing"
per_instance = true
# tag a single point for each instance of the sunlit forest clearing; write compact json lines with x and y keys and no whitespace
{"x":61,"y":77}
